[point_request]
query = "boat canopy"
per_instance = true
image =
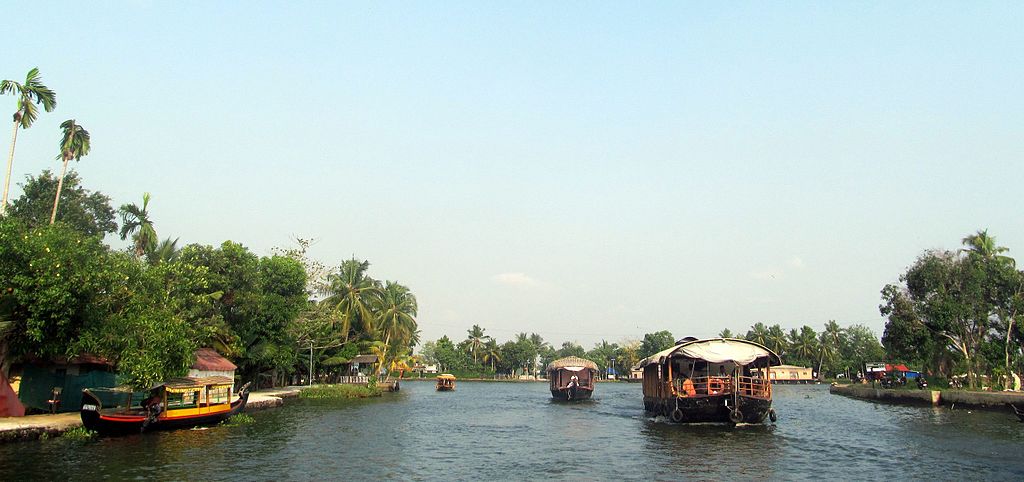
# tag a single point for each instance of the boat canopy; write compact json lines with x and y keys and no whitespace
{"x":716,"y":350}
{"x":572,"y":363}
{"x":186,"y":384}
{"x":446,"y":376}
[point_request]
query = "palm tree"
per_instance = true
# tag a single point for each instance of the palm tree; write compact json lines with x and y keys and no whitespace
{"x":29,"y":94}
{"x":726,"y":333}
{"x":491,"y":353}
{"x":136,"y":223}
{"x":983,"y":245}
{"x":353,"y":295}
{"x":165,"y":252}
{"x":74,"y":145}
{"x":776,"y":340}
{"x":396,"y":312}
{"x":476,"y":340}
{"x":803,"y":343}
{"x":758,"y":334}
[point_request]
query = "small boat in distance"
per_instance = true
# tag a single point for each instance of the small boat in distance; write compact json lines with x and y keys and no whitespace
{"x":715,"y":380}
{"x":446,"y":382}
{"x":176,"y":403}
{"x":572,"y":378}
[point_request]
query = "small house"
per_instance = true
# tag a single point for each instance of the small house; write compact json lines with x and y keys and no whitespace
{"x":360,"y":365}
{"x":209,"y":363}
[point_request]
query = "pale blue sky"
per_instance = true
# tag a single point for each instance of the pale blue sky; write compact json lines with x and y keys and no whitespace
{"x":609,"y":169}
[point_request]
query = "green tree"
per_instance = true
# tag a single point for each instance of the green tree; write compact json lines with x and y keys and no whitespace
{"x":726,"y":333}
{"x":475,"y":340}
{"x":354,"y":294}
{"x":655,"y":342}
{"x":758,"y":334}
{"x":777,"y":341}
{"x":165,"y":252}
{"x":87,"y":212}
{"x":803,"y":345}
{"x":397,"y":319}
{"x":74,"y":145}
{"x":491,"y":353}
{"x":135,"y":222}
{"x":50,"y":280}
{"x":30,"y":93}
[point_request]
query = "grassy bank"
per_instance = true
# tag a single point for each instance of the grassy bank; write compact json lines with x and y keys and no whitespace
{"x":339,"y":391}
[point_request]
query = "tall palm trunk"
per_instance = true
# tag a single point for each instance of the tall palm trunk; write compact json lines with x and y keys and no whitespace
{"x":60,"y":185}
{"x":10,"y":164}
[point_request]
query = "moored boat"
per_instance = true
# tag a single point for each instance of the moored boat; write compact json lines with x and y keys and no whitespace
{"x":714,"y":380}
{"x":571,"y":378}
{"x":446,"y":383}
{"x":176,"y":403}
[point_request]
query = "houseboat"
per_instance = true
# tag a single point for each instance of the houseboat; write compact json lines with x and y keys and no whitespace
{"x":572,"y":378}
{"x":177,"y":403}
{"x":446,"y":382}
{"x":722,"y":380}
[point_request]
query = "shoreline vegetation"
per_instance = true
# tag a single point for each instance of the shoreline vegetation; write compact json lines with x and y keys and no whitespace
{"x":340,"y":391}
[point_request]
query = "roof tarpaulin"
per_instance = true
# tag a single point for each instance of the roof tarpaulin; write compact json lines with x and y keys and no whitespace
{"x":716,"y":350}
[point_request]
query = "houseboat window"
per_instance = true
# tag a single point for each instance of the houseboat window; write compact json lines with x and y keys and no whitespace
{"x":182,"y":400}
{"x":220,"y":395}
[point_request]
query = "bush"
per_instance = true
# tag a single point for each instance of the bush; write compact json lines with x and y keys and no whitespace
{"x":339,"y":391}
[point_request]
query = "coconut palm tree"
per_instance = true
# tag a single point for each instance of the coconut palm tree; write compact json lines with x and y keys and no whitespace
{"x":983,"y":245}
{"x":165,"y":252}
{"x":396,"y":312}
{"x":353,"y":295}
{"x":136,"y":223}
{"x":74,"y":145}
{"x":29,"y":94}
{"x":726,"y":333}
{"x":758,"y":334}
{"x":776,"y":340}
{"x":491,"y":353}
{"x":476,"y":340}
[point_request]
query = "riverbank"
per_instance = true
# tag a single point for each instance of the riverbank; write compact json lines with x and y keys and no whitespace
{"x":964,"y":398}
{"x":32,"y":427}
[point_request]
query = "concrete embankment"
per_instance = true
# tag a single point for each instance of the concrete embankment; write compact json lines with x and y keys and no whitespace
{"x":996,"y":400}
{"x":31,"y":427}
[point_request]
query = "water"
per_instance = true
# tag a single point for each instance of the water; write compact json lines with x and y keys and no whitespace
{"x":513,"y":431}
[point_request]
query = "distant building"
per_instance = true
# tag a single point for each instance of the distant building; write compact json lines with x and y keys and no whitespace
{"x":791,"y":374}
{"x":431,"y":369}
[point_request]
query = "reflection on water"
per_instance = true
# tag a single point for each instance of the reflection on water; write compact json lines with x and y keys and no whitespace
{"x":515,"y":431}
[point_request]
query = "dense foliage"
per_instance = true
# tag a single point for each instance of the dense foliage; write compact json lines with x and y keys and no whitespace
{"x":148,"y":308}
{"x":957,"y":313}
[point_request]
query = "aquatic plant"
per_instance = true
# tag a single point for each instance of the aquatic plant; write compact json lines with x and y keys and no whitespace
{"x":239,"y":419}
{"x":79,"y":434}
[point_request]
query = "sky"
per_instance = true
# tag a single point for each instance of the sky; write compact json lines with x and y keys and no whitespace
{"x":586,"y":171}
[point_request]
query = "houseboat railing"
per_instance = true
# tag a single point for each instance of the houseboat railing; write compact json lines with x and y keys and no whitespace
{"x":719,"y":385}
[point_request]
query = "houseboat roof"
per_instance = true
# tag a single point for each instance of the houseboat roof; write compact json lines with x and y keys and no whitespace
{"x":572,"y":362}
{"x":446,"y":375}
{"x":716,"y":350}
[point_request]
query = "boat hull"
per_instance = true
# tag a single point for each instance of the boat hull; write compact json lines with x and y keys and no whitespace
{"x":571,"y":394}
{"x":710,"y":409}
{"x":114,"y":424}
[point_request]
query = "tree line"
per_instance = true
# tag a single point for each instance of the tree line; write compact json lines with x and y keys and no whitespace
{"x":146,"y":309}
{"x":835,"y":350}
{"x":956,"y":312}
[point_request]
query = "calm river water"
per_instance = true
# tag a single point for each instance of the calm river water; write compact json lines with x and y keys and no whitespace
{"x":513,"y":431}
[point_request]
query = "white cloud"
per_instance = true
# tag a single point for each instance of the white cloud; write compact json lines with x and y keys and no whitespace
{"x":516,"y":279}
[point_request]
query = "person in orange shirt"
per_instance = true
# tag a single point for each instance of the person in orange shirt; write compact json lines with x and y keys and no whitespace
{"x":688,"y":388}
